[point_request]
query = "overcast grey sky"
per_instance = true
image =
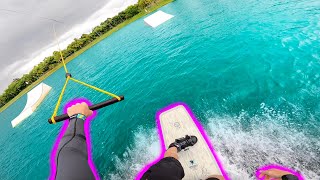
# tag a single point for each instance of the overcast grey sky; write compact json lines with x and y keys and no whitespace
{"x":26,"y":38}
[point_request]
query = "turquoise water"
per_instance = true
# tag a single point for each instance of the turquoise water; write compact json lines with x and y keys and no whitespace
{"x":249,"y":69}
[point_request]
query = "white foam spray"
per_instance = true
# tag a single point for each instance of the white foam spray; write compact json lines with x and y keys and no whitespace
{"x":146,"y":147}
{"x":265,"y":139}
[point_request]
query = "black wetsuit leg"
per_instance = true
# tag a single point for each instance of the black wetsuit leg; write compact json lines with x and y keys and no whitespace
{"x":167,"y":168}
{"x":72,"y":155}
{"x":289,"y":177}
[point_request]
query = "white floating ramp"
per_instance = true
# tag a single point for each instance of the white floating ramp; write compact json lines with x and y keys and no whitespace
{"x":35,"y":97}
{"x":157,"y":18}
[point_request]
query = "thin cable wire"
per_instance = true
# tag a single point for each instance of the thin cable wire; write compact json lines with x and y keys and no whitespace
{"x":54,"y":30}
{"x":64,"y":64}
{"x":20,"y":12}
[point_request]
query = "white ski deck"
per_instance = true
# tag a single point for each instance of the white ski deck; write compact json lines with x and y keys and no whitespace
{"x":197,"y":161}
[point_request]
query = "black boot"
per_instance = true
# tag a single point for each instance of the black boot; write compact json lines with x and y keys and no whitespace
{"x":184,"y":142}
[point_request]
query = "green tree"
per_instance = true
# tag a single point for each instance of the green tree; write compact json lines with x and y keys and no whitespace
{"x":131,"y":11}
{"x":142,"y":4}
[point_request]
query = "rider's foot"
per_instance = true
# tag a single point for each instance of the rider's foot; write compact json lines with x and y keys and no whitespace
{"x":184,"y":142}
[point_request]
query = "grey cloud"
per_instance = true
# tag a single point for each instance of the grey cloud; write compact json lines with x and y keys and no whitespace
{"x":26,"y":33}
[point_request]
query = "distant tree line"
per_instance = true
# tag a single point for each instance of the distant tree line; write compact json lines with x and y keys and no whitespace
{"x":50,"y":62}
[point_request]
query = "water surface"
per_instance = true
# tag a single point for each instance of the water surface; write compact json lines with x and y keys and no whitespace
{"x":248,"y":69}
